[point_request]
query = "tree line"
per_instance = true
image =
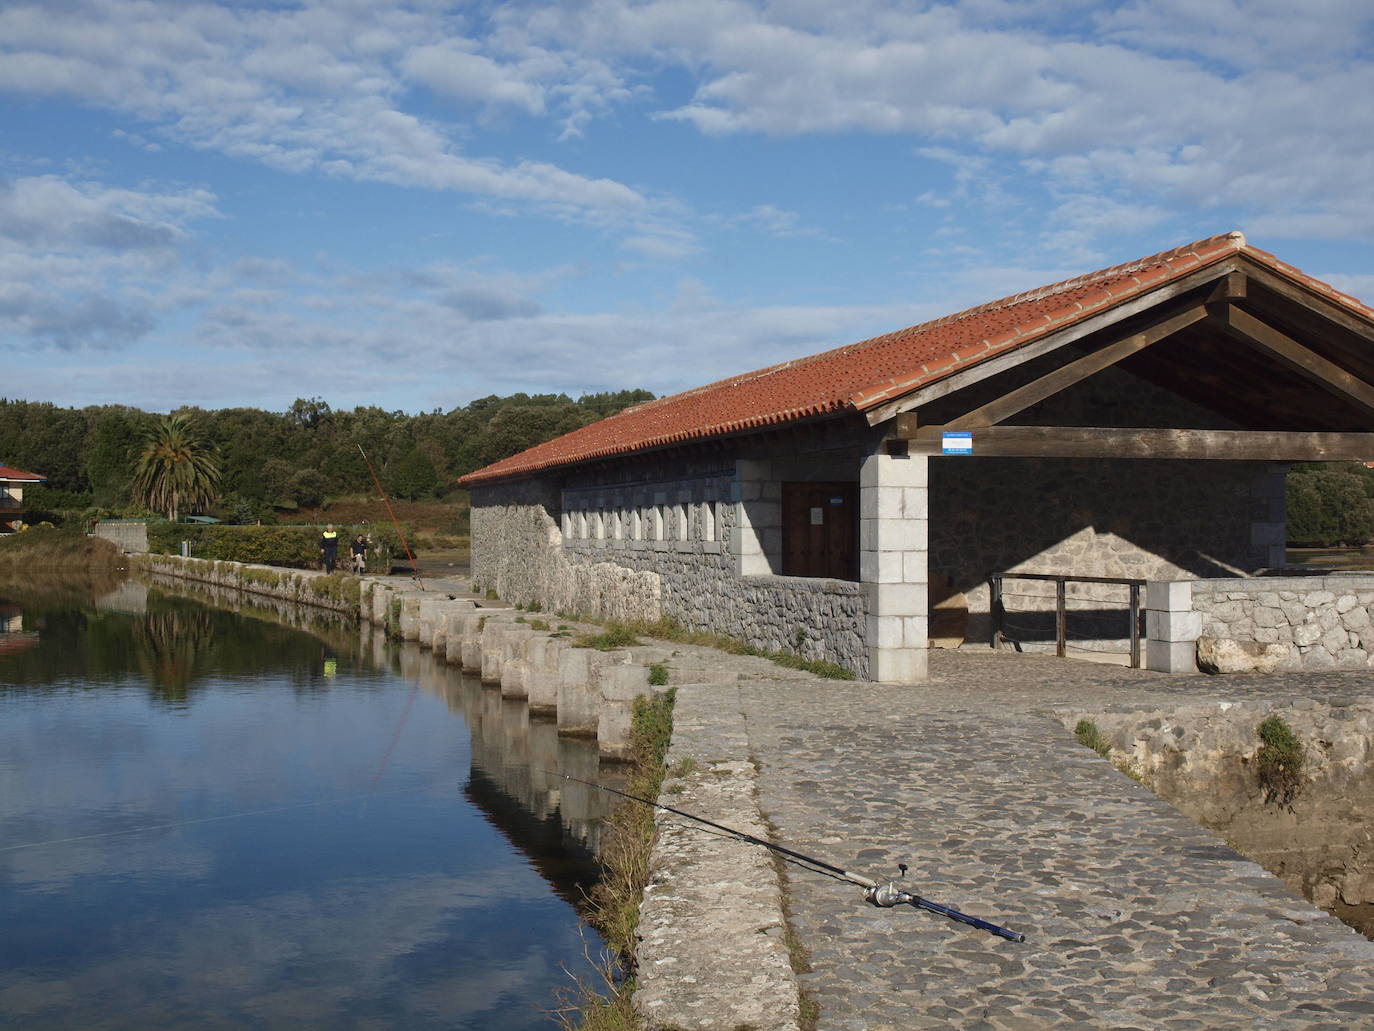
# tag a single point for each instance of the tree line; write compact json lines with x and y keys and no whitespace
{"x":1330,"y":504}
{"x":275,"y":462}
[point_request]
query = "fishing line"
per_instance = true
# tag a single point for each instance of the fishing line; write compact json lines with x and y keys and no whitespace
{"x":396,"y":734}
{"x":413,"y":564}
{"x":883,"y":895}
{"x":212,"y":819}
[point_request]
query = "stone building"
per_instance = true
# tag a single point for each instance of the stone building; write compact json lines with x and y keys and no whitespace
{"x":1133,"y":423}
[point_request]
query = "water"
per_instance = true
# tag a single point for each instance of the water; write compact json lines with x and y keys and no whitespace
{"x":214,"y":821}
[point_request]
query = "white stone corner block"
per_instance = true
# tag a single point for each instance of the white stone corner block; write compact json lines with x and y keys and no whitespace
{"x":1171,"y":656}
{"x":1169,"y":595}
{"x":898,"y":665}
{"x":1172,"y":626}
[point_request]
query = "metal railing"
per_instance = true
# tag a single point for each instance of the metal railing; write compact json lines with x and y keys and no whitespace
{"x":998,"y":610}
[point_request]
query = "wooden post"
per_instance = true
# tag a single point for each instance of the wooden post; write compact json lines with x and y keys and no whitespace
{"x":1135,"y":626}
{"x":1061,"y":620}
{"x":996,"y":610}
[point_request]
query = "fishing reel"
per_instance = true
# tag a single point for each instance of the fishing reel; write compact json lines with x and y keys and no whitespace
{"x":889,"y":895}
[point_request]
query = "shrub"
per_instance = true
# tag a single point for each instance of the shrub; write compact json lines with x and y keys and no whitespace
{"x":295,"y":547}
{"x":1279,"y":761}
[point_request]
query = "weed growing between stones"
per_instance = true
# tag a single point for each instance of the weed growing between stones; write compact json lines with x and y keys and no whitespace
{"x":1090,"y":737}
{"x":1279,"y":761}
{"x":337,"y":587}
{"x":658,"y":674}
{"x":627,"y":839}
{"x":616,"y":635}
{"x":797,"y":956}
{"x":669,"y":630}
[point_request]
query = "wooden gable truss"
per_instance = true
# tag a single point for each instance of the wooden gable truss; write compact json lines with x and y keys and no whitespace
{"x":1293,"y":371}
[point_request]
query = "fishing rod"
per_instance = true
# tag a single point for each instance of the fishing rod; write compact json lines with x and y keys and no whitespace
{"x":883,"y":895}
{"x":413,"y":564}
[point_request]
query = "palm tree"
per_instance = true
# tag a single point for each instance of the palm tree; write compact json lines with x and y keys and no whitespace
{"x":176,"y":467}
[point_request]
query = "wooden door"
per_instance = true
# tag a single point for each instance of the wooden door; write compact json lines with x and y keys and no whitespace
{"x":820,"y":530}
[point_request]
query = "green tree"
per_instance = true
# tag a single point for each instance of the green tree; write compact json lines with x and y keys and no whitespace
{"x":175,"y":467}
{"x":414,"y":477}
{"x":1329,"y":505}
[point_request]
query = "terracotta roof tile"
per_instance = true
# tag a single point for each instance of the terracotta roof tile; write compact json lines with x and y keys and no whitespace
{"x":863,"y":375}
{"x":8,"y":473}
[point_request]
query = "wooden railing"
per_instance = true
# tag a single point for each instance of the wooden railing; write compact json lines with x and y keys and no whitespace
{"x":1061,"y":616}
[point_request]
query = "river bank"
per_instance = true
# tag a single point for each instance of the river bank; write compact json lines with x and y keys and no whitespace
{"x":1136,"y":916}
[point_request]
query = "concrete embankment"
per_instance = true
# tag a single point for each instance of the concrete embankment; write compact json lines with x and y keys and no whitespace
{"x":1204,"y":758}
{"x":589,"y":692}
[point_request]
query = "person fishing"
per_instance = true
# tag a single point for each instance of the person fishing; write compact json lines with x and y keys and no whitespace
{"x":329,"y":548}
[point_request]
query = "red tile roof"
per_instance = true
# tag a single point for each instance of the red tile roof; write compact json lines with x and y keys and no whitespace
{"x":865,"y":375}
{"x":6,"y":473}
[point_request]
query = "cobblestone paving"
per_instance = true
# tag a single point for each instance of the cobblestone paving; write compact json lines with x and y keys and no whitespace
{"x":1135,"y":916}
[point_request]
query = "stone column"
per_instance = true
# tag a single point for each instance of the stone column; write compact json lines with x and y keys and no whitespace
{"x":893,"y":535}
{"x":758,"y":528}
{"x":1171,"y":626}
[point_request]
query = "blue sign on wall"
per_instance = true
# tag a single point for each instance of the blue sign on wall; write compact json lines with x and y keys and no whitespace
{"x":957,"y":442}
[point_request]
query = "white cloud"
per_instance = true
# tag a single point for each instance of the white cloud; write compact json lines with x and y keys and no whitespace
{"x":317,"y":87}
{"x":1129,"y":99}
{"x":47,"y":211}
{"x":82,"y":263}
{"x":453,"y":70}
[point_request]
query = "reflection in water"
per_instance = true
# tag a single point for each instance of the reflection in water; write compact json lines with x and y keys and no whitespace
{"x":216,"y":822}
{"x":175,"y":646}
{"x":13,"y":637}
{"x":516,"y":770}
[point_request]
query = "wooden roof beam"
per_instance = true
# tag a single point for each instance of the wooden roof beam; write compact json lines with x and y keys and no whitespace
{"x":1065,"y":376}
{"x":1296,"y":356}
{"x":1097,"y":442}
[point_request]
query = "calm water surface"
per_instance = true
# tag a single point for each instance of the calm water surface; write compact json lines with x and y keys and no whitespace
{"x":212,"y":821}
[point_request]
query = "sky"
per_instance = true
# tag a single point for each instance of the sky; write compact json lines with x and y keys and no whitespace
{"x":416,"y":204}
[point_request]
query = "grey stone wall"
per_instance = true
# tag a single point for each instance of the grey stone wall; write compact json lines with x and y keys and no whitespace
{"x":131,"y":537}
{"x":1131,"y":518}
{"x":1323,"y":620}
{"x":1155,"y":520}
{"x":658,"y":541}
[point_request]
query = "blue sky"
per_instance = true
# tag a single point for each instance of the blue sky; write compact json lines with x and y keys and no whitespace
{"x":416,"y":204}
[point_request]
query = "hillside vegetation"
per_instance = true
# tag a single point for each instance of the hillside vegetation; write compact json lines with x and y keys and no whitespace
{"x":292,"y":466}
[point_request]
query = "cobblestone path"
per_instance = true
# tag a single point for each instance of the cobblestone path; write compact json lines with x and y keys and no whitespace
{"x":1135,"y":916}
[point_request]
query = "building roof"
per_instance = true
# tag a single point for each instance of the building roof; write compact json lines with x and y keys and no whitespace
{"x":7,"y":473}
{"x":866,"y":375}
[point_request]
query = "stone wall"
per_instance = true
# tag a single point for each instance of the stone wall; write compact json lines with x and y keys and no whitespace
{"x":517,"y":551}
{"x":1130,"y":518}
{"x":1313,"y":622}
{"x":1202,"y":758}
{"x":131,"y":537}
{"x":299,"y":586}
{"x":1086,"y":517}
{"x":659,"y":542}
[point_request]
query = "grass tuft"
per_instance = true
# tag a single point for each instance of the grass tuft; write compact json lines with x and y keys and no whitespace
{"x":627,"y":839}
{"x":1090,"y":737}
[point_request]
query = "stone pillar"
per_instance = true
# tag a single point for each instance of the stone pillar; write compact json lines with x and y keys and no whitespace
{"x":1171,"y":626}
{"x":893,"y":535}
{"x":1269,"y":517}
{"x":758,"y":528}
